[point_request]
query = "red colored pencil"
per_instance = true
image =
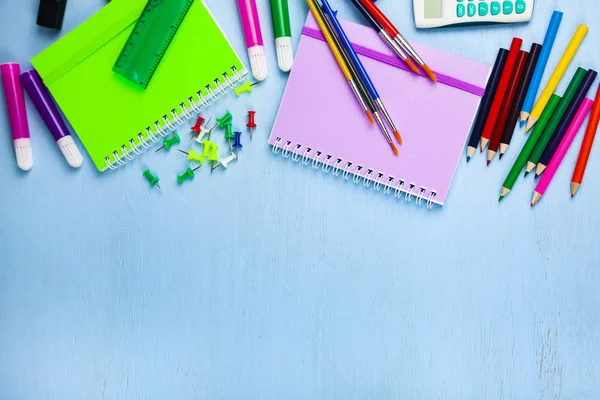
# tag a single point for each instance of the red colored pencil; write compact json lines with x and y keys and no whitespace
{"x":490,"y":124}
{"x":586,"y":146}
{"x":509,"y":98}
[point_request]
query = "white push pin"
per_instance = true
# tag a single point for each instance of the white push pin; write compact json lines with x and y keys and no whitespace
{"x":224,"y":162}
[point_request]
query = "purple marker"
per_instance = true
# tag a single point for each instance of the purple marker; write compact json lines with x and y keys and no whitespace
{"x":17,"y":114}
{"x":41,"y":99}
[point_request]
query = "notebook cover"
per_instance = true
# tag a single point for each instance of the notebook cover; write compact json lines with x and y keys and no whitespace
{"x":434,"y":119}
{"x":106,"y":110}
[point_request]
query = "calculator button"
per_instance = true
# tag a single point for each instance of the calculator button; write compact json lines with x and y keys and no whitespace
{"x":460,"y":1}
{"x":495,"y":6}
{"x":460,"y":10}
{"x":471,"y":9}
{"x":483,"y":9}
{"x":507,"y":7}
{"x":520,"y":6}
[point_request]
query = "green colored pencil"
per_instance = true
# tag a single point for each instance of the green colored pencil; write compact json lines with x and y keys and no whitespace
{"x":538,"y":129}
{"x":555,"y":120}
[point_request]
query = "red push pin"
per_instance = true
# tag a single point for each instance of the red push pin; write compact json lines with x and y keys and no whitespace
{"x":251,"y":124}
{"x":196,"y":129}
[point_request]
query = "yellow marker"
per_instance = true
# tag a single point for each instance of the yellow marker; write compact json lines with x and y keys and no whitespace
{"x":340,"y":59}
{"x":557,"y":75}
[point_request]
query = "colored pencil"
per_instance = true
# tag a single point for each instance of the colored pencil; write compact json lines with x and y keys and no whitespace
{"x":385,"y":36}
{"x":566,"y":122}
{"x":538,"y":74}
{"x":562,"y":149}
{"x":517,"y":167}
{"x":486,"y":103}
{"x":509,"y":98}
{"x":509,"y":130}
{"x":555,"y":120}
{"x":586,"y":146}
{"x":492,"y":117}
{"x":397,"y":36}
{"x":343,"y":63}
{"x":337,"y":27}
{"x":557,"y":75}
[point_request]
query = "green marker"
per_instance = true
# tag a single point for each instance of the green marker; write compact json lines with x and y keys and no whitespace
{"x":280,"y":14}
{"x":538,"y":129}
{"x":555,"y":120}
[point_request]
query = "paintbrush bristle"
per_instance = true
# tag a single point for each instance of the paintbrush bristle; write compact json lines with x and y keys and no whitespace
{"x":429,"y":73}
{"x":398,"y":137}
{"x":394,"y":149}
{"x":370,"y":116}
{"x":411,"y":65}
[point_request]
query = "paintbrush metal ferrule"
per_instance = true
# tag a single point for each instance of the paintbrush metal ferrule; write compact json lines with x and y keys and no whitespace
{"x":392,"y":44}
{"x":401,"y":40}
{"x":358,"y":95}
{"x":385,"y":113}
{"x":382,"y":127}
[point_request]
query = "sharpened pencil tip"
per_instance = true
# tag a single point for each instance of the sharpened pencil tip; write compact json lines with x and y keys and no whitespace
{"x":500,"y":156}
{"x":526,"y":173}
{"x":500,"y":199}
{"x":429,"y":73}
{"x":394,"y":149}
{"x":468,"y":158}
{"x":412,"y":66}
{"x":398,"y":137}
{"x":370,"y":116}
{"x":489,"y":162}
{"x":531,"y":205}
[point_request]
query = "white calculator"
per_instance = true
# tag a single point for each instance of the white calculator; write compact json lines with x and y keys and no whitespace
{"x":436,"y":13}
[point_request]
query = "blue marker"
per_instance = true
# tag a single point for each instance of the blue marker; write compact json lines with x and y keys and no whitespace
{"x":538,"y":73}
{"x":363,"y":74}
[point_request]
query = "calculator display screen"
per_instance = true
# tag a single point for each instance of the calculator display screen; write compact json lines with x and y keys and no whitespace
{"x":433,"y":9}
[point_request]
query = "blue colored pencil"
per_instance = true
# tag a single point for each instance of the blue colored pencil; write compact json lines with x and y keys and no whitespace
{"x":359,"y":66}
{"x":538,"y":73}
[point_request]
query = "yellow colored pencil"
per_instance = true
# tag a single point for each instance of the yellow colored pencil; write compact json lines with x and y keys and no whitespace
{"x":557,"y":75}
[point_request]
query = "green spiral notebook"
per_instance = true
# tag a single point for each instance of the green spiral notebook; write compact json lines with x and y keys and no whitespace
{"x":115,"y":119}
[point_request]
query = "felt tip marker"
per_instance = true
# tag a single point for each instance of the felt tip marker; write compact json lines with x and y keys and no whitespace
{"x":47,"y":109}
{"x":17,"y":114}
{"x":254,"y":41}
{"x":280,"y":15}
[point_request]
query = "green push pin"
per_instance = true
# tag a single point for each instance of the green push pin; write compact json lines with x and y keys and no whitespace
{"x":193,"y":156}
{"x":229,"y":134}
{"x":187,"y":175}
{"x":152,"y":179}
{"x":168,"y":143}
{"x":246,"y":87}
{"x":224,"y":119}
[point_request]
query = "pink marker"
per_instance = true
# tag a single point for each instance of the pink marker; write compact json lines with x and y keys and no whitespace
{"x":254,"y":40}
{"x":562,"y":149}
{"x":17,"y":114}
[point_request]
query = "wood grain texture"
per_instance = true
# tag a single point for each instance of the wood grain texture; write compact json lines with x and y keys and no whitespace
{"x":272,"y":280}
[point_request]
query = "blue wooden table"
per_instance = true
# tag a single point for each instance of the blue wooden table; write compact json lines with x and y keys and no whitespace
{"x":274,"y":281}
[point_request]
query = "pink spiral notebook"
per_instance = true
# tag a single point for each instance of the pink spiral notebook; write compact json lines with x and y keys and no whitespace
{"x":334,"y":134}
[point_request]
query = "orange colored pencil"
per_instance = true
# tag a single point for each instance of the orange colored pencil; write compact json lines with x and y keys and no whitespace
{"x":586,"y":146}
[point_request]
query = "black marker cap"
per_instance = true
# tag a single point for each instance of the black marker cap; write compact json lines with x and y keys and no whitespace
{"x":51,"y":13}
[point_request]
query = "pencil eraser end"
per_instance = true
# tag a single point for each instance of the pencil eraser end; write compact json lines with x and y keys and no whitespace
{"x":285,"y":53}
{"x":258,"y":62}
{"x":70,"y":150}
{"x":23,"y":153}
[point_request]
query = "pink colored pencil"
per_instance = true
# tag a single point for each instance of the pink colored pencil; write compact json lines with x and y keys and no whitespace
{"x":562,"y":149}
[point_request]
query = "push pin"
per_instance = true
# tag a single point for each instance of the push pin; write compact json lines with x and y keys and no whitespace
{"x":224,"y":119}
{"x":212,"y":157}
{"x":168,"y":143}
{"x":208,"y":148}
{"x":251,"y":124}
{"x":193,"y":156}
{"x":246,"y":87}
{"x":237,"y":144}
{"x":187,"y":175}
{"x":229,"y":134}
{"x":197,"y":129}
{"x":152,"y":179}
{"x":224,"y":162}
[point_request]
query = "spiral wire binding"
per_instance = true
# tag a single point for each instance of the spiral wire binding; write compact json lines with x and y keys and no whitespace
{"x":348,"y":168}
{"x":136,"y":145}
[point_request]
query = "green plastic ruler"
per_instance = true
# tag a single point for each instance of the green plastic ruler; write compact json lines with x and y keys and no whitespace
{"x":150,"y":40}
